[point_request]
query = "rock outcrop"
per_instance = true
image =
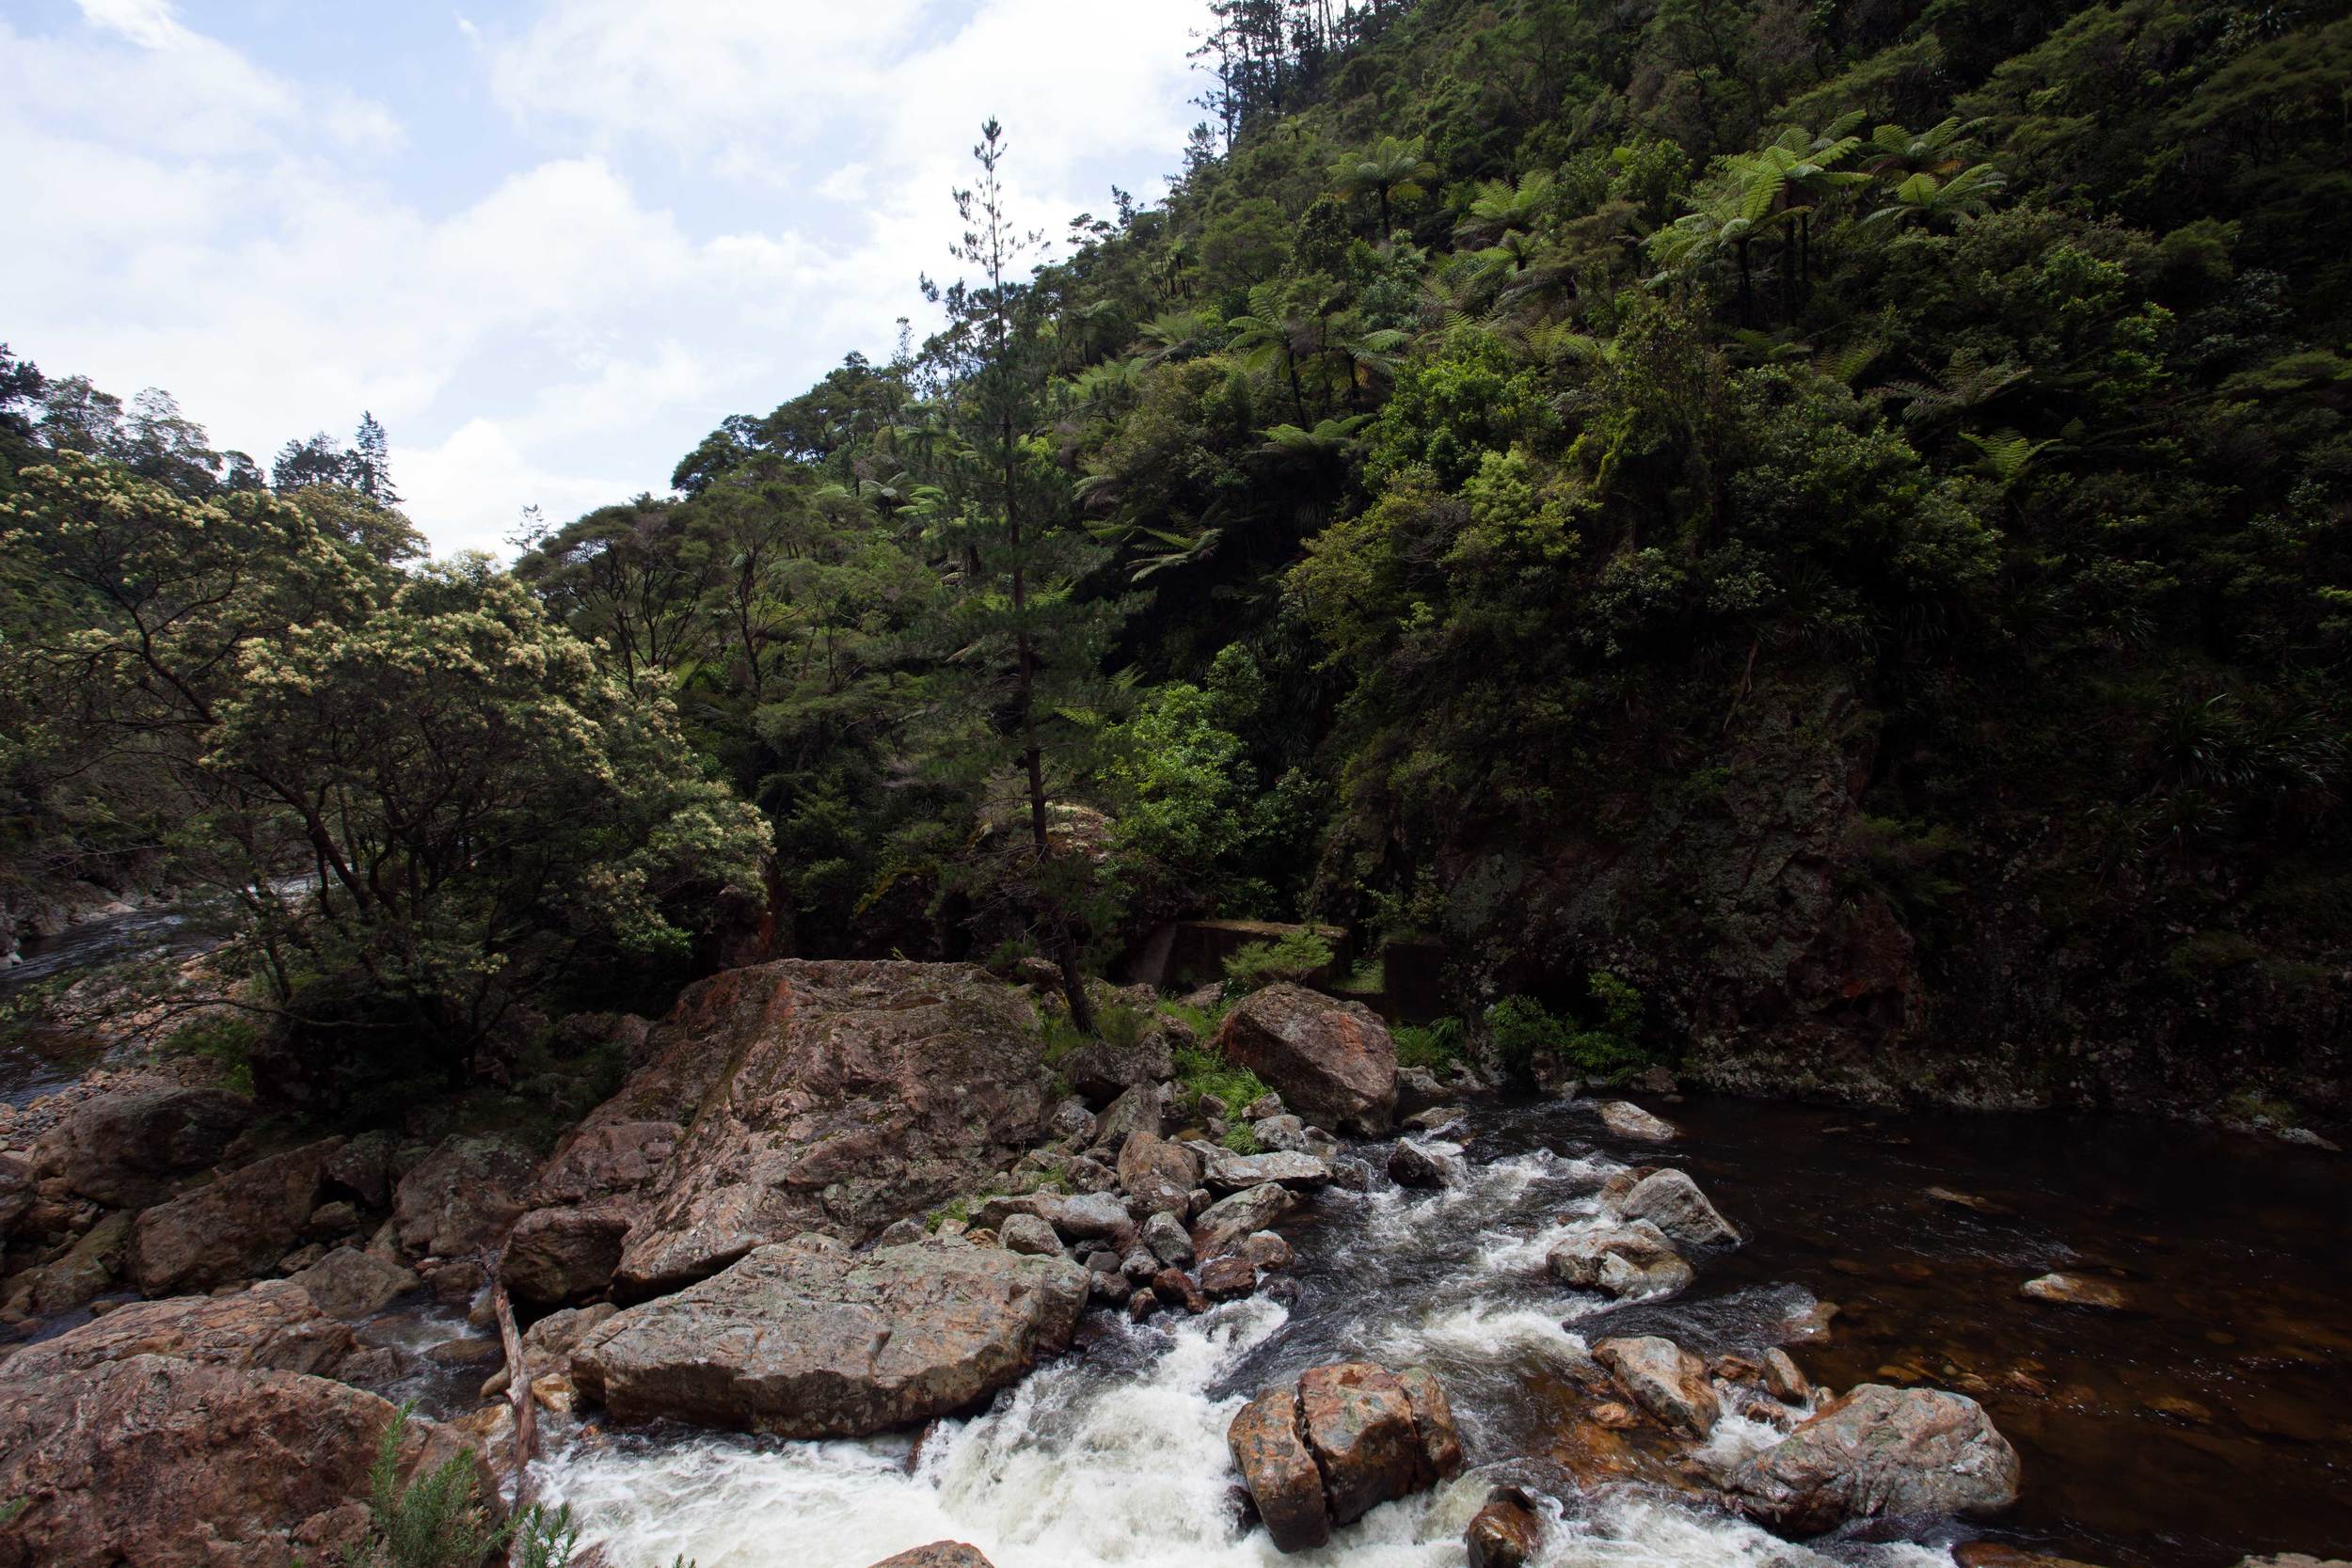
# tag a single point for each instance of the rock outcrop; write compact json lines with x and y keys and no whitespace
{"x":272,"y":1327}
{"x":841,"y":1096}
{"x":165,"y":1463}
{"x":234,"y":1227}
{"x":130,"y":1147}
{"x":1880,"y":1450}
{"x":462,"y":1198}
{"x":808,"y":1339}
{"x":1342,"y":1440}
{"x":1333,"y":1062}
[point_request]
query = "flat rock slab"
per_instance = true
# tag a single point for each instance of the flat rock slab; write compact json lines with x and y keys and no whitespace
{"x":1666,"y":1380}
{"x":1230,"y":1173}
{"x":806,"y":1339}
{"x":1629,"y":1120}
{"x":274,"y":1326}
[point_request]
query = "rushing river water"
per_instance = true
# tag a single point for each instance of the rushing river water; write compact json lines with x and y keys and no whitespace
{"x":2212,"y":1420}
{"x":1116,"y":1455}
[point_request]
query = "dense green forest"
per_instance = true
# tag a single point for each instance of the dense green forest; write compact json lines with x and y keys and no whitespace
{"x":1833,"y":515}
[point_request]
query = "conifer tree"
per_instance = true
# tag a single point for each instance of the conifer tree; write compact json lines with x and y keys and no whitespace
{"x":1028,"y":646}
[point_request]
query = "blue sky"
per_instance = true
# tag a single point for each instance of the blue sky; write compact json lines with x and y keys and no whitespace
{"x":550,"y":242}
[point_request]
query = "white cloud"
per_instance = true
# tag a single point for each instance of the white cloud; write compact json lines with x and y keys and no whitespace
{"x":723,"y":197}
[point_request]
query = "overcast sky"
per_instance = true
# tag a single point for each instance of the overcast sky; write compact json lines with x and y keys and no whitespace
{"x":550,"y":242}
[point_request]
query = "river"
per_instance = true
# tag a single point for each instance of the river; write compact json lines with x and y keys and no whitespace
{"x":2212,"y":1421}
{"x":2234,"y":1253}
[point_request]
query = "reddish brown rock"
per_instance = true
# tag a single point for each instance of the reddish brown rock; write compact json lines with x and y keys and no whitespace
{"x":939,"y":1554}
{"x":808,"y":1339}
{"x":1433,"y":1417}
{"x":462,"y":1198}
{"x":1333,"y":1062}
{"x":1227,"y":1279}
{"x":1174,"y":1286}
{"x":1880,"y":1450}
{"x":1359,"y":1423}
{"x":130,"y":1145}
{"x":274,"y":1326}
{"x":1664,"y":1379}
{"x":842,"y":1095}
{"x":160,"y":1463}
{"x":559,"y":1256}
{"x":1506,"y":1532}
{"x":234,"y":1227}
{"x":1283,"y":1480}
{"x":1158,"y":1175}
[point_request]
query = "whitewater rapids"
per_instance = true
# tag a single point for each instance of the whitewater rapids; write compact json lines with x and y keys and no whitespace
{"x":1116,"y":1454}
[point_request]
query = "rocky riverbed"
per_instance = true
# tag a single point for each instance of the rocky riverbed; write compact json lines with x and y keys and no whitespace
{"x":844,"y":1269}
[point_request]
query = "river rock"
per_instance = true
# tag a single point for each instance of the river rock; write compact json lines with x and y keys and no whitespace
{"x":1669,"y":1201}
{"x":1266,"y":1250}
{"x":89,"y":1267}
{"x":1783,"y":1379}
{"x":1664,"y":1379}
{"x":1159,"y":1176}
{"x":1029,"y":1235}
{"x":1090,"y":1218}
{"x":1227,"y":1279}
{"x":1229,"y":1173}
{"x":1633,"y":1259}
{"x":1432,"y":1417}
{"x":1367,"y":1436}
{"x":807,"y":1340}
{"x":128,"y":1147}
{"x":1283,"y":1133}
{"x":1629,"y":1120}
{"x":1169,"y":1242}
{"x":2074,"y":1290}
{"x":1880,"y":1450}
{"x":1412,"y":1166}
{"x":235,"y":1227}
{"x":847,"y":1094}
{"x":274,"y":1326}
{"x":462,"y":1196}
{"x":1223,"y":1225}
{"x":1332,"y":1061}
{"x":1141,"y":1109}
{"x":1506,"y":1532}
{"x":1280,"y":1471}
{"x":165,"y":1463}
{"x":350,"y":1284}
{"x":1100,"y":1071}
{"x":558,"y":1256}
{"x":939,"y":1554}
{"x":1175,"y":1288}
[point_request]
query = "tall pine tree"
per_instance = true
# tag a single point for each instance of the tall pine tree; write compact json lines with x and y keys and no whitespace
{"x":1025,"y":676}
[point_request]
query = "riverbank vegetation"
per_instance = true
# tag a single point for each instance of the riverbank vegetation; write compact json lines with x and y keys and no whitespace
{"x":1830,"y":519}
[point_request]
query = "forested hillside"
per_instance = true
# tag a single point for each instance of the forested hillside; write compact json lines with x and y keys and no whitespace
{"x":1832,"y":516}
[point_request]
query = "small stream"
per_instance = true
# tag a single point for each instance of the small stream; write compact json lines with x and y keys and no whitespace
{"x":1116,"y":1454}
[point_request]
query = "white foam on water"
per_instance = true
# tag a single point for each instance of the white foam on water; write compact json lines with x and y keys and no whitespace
{"x":1486,"y":1331}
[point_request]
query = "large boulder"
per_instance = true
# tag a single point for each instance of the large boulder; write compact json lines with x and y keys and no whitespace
{"x":1669,"y":1201}
{"x":234,"y":1227}
{"x":1633,"y":1259}
{"x":1230,"y":1173}
{"x":843,"y":1095}
{"x":938,"y":1553}
{"x":1223,"y":1225}
{"x":129,"y":1147}
{"x":1100,"y":1071}
{"x":1507,"y":1533}
{"x":1345,"y":1439}
{"x":350,"y":1284}
{"x":808,"y":1339}
{"x":154,"y":1462}
{"x":1333,"y":1062}
{"x":1664,"y":1379}
{"x":1879,"y":1451}
{"x":557,"y":1256}
{"x":1157,"y":1176}
{"x":462,"y":1198}
{"x":274,"y":1326}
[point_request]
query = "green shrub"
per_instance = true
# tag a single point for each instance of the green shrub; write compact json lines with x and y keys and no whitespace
{"x":1292,"y":957}
{"x":1521,"y":1029}
{"x":1201,"y":1071}
{"x":436,"y":1521}
{"x":1436,"y":1046}
{"x":1240,"y":1139}
{"x":228,"y":1041}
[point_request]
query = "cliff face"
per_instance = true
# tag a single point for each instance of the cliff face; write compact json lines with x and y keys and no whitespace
{"x":1789,"y":939}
